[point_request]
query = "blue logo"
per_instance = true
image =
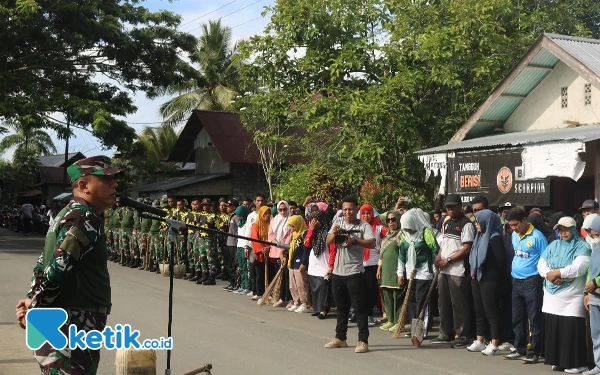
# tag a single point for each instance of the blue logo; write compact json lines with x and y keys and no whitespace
{"x":44,"y":324}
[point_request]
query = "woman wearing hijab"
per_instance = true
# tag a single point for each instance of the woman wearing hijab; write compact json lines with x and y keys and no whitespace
{"x":387,"y":268}
{"x":243,"y":250}
{"x":418,"y":251}
{"x":487,"y":264}
{"x":260,"y":231}
{"x":298,"y":266}
{"x":371,"y":258}
{"x":564,"y":266}
{"x":318,"y":261}
{"x":590,"y":239}
{"x":280,"y":232}
{"x":592,"y":297}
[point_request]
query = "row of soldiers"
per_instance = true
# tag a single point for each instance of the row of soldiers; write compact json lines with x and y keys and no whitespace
{"x":141,"y":240}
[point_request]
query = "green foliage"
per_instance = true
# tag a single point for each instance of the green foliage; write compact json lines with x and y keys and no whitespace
{"x":139,"y":170}
{"x":54,"y":52}
{"x":373,"y":81}
{"x":158,"y":142}
{"x":214,"y":84}
{"x":27,"y":140}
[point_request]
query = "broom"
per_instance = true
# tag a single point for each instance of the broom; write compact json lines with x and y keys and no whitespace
{"x":275,"y":285}
{"x":418,"y":325}
{"x":404,"y":312}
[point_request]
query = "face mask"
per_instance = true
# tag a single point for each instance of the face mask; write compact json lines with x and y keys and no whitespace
{"x":597,"y":240}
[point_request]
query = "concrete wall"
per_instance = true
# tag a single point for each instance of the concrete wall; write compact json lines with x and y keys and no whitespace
{"x":248,"y":180}
{"x":542,"y":107}
{"x":206,"y":156}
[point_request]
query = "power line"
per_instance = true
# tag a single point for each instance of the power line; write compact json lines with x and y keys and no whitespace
{"x":204,"y":15}
{"x":242,"y":24}
{"x":227,"y":15}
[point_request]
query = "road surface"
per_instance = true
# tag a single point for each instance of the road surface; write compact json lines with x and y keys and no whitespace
{"x":228,"y":330}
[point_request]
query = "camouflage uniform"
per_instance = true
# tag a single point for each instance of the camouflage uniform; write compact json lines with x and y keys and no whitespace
{"x":75,"y":249}
{"x":144,"y":240}
{"x":164,"y":231}
{"x":134,"y":245}
{"x":181,"y":245}
{"x":116,"y":232}
{"x":125,"y":235}
{"x":207,"y":250}
{"x":108,"y":230}
{"x":155,"y":242}
{"x":222,"y":224}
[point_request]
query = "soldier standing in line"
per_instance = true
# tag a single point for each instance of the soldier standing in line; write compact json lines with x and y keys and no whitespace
{"x":157,"y":242}
{"x":72,"y":273}
{"x":195,"y":218}
{"x":116,"y":230}
{"x":180,"y":215}
{"x":125,"y":235}
{"x":144,"y":239}
{"x":222,"y":222}
{"x":206,"y":247}
{"x":135,"y":259}
{"x":108,"y":230}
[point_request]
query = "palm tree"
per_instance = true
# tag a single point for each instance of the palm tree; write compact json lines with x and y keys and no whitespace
{"x":28,"y":140}
{"x":158,"y":142}
{"x":217,"y":76}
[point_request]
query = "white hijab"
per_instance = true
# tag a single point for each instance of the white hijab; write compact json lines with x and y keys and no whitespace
{"x":280,"y":222}
{"x":418,"y":221}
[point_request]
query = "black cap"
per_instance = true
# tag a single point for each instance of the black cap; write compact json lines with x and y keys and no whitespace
{"x":453,"y":200}
{"x":590,"y":203}
{"x":206,"y":202}
{"x":233,"y":202}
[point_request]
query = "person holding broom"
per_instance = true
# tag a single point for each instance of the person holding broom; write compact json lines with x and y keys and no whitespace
{"x":387,"y":270}
{"x":348,"y":280}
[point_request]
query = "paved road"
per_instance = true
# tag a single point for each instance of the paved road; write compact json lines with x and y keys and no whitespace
{"x":228,"y":330}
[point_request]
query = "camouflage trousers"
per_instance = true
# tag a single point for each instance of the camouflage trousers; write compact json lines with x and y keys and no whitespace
{"x":207,"y":254}
{"x":124,"y":245}
{"x":134,"y":248}
{"x":109,"y":240}
{"x":156,"y":244}
{"x":143,"y":244}
{"x":193,"y":252}
{"x":77,"y":361}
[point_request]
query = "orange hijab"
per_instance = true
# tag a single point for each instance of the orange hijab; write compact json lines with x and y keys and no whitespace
{"x":263,"y":226}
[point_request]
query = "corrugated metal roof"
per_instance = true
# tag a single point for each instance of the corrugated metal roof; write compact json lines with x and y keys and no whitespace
{"x":498,"y":110}
{"x":545,"y":58}
{"x":59,"y":160}
{"x":176,"y":182}
{"x":525,"y":83}
{"x":582,"y":133}
{"x":587,"y":51}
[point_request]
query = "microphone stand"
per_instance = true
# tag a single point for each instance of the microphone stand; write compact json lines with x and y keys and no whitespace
{"x":174,"y":228}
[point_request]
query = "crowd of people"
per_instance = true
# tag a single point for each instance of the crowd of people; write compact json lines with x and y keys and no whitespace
{"x":511,"y":282}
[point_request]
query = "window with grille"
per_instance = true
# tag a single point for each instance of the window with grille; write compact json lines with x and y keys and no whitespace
{"x":587,"y":94}
{"x":564,"y":91}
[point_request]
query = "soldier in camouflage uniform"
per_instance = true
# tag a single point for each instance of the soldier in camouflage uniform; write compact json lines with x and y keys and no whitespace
{"x":170,"y":207}
{"x":206,"y":245}
{"x":71,"y":273}
{"x":144,"y":239}
{"x":125,"y":235}
{"x":156,"y":242}
{"x":222,"y":223}
{"x":182,"y":248}
{"x":134,"y":247}
{"x":196,"y":218}
{"x":116,"y":231}
{"x":108,"y":230}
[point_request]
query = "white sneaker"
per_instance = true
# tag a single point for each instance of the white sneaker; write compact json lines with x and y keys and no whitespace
{"x":506,"y":347}
{"x":302,"y":309}
{"x":476,"y":346}
{"x":250,"y":294}
{"x":594,"y":371}
{"x":576,"y":370}
{"x":490,"y":350}
{"x":255,"y":298}
{"x":293,"y":307}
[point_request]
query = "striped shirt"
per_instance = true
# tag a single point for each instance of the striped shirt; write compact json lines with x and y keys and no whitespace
{"x":457,"y":232}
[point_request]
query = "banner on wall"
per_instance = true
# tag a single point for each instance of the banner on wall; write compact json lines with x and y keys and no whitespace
{"x":497,"y":174}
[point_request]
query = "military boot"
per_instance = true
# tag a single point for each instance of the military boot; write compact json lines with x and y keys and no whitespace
{"x":210,"y":280}
{"x":197,"y":275}
{"x":204,"y":277}
{"x":142,"y":264}
{"x":125,"y":259}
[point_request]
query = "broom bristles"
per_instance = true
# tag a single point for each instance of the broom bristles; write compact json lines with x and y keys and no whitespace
{"x":265,"y":297}
{"x":404,"y":312}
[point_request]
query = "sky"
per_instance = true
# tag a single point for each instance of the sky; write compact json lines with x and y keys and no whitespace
{"x":243,"y":16}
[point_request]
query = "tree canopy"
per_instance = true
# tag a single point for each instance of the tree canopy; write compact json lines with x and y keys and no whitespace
{"x":83,"y":60}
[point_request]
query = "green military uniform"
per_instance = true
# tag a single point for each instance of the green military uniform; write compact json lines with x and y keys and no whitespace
{"x":181,"y":245}
{"x":125,"y":235}
{"x":222,"y":224}
{"x":108,"y":230}
{"x":115,"y":224}
{"x":72,"y":274}
{"x":144,"y":241}
{"x":134,"y":247}
{"x":207,"y":251}
{"x":156,"y":243}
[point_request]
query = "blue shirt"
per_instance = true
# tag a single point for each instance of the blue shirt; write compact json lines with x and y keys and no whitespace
{"x":528,"y":250}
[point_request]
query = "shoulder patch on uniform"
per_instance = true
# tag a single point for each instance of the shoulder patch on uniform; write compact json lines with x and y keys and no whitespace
{"x":80,"y":235}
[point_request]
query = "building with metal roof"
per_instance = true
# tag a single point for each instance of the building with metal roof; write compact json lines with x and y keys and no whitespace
{"x":541,"y":124}
{"x":59,"y":159}
{"x":225,"y":156}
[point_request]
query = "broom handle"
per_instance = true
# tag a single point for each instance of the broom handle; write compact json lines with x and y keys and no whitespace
{"x":404,"y":311}
{"x":429,"y":293}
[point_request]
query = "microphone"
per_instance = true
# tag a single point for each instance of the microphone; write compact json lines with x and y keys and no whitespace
{"x":126,"y":201}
